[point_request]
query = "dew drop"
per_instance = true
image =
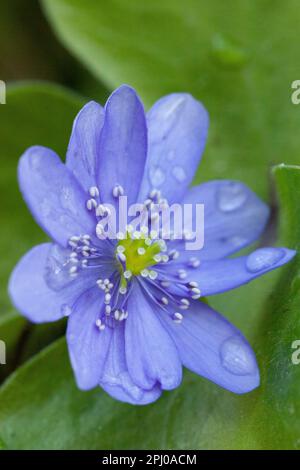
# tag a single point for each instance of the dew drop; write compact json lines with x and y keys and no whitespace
{"x":171,"y":155}
{"x":179,"y":174}
{"x":71,"y":339}
{"x":66,"y":310}
{"x":231,"y":196}
{"x":263,"y":258}
{"x":237,"y":241}
{"x":56,"y":274}
{"x":66,"y":198}
{"x":237,"y":357}
{"x":45,"y":208}
{"x":157,"y":176}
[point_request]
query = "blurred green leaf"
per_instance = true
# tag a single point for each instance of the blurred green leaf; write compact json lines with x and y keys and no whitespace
{"x":239,"y":58}
{"x":23,"y":339}
{"x":198,"y":414}
{"x":278,"y":406}
{"x":42,"y":398}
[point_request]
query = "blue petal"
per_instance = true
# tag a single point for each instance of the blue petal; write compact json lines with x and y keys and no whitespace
{"x":177,"y":131}
{"x":123,"y":145}
{"x":213,"y":348}
{"x":88,"y":346}
{"x":84,"y":144}
{"x":215,"y":277}
{"x":116,"y":379}
{"x":151,"y":353}
{"x":234,"y":217}
{"x":53,"y":195}
{"x":31,"y":294}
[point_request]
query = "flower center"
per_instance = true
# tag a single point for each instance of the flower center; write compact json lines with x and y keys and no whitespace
{"x":137,"y":252}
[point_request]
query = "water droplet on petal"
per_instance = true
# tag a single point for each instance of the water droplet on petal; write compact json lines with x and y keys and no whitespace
{"x":231,"y":196}
{"x":264,"y":258}
{"x":67,"y":198}
{"x":45,"y":208}
{"x":179,"y":174}
{"x":71,"y":338}
{"x":57,"y":274}
{"x":237,"y":357}
{"x":66,"y":310}
{"x":171,"y":155}
{"x":157,"y":176}
{"x":237,"y":241}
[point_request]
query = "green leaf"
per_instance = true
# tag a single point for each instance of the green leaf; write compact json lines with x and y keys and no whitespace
{"x":42,"y":398}
{"x":23,"y":339}
{"x":239,"y":58}
{"x":278,"y":408}
{"x":35,"y":114}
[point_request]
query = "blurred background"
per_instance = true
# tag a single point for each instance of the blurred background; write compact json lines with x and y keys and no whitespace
{"x":29,"y":50}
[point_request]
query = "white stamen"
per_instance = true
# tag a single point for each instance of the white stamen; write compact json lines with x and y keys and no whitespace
{"x":144,"y":229}
{"x":118,"y":191}
{"x":194,"y":262}
{"x":99,"y":230}
{"x":129,"y":228}
{"x":196,"y":293}
{"x":122,"y":257}
{"x":165,"y":283}
{"x":193,"y":284}
{"x":178,"y":317}
{"x":173,"y":254}
{"x":181,"y":273}
{"x":153,"y":275}
{"x":91,"y":204}
{"x":101,"y":210}
{"x":94,"y":191}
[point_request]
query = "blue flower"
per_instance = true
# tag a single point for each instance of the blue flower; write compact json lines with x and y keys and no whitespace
{"x":135,"y":317}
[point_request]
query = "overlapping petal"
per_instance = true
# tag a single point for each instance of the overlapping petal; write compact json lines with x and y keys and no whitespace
{"x":31,"y":294}
{"x":234,"y":217}
{"x":219,"y":276}
{"x":55,"y":198}
{"x":150,"y":352}
{"x":123,"y":146}
{"x":177,"y":131}
{"x":116,"y":379}
{"x":84,"y":145}
{"x":88,"y":346}
{"x":213,"y":348}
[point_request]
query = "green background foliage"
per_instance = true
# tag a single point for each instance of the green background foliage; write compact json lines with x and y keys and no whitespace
{"x":239,"y":58}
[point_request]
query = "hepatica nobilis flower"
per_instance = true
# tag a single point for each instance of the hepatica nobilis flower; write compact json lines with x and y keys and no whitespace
{"x":135,"y":314}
